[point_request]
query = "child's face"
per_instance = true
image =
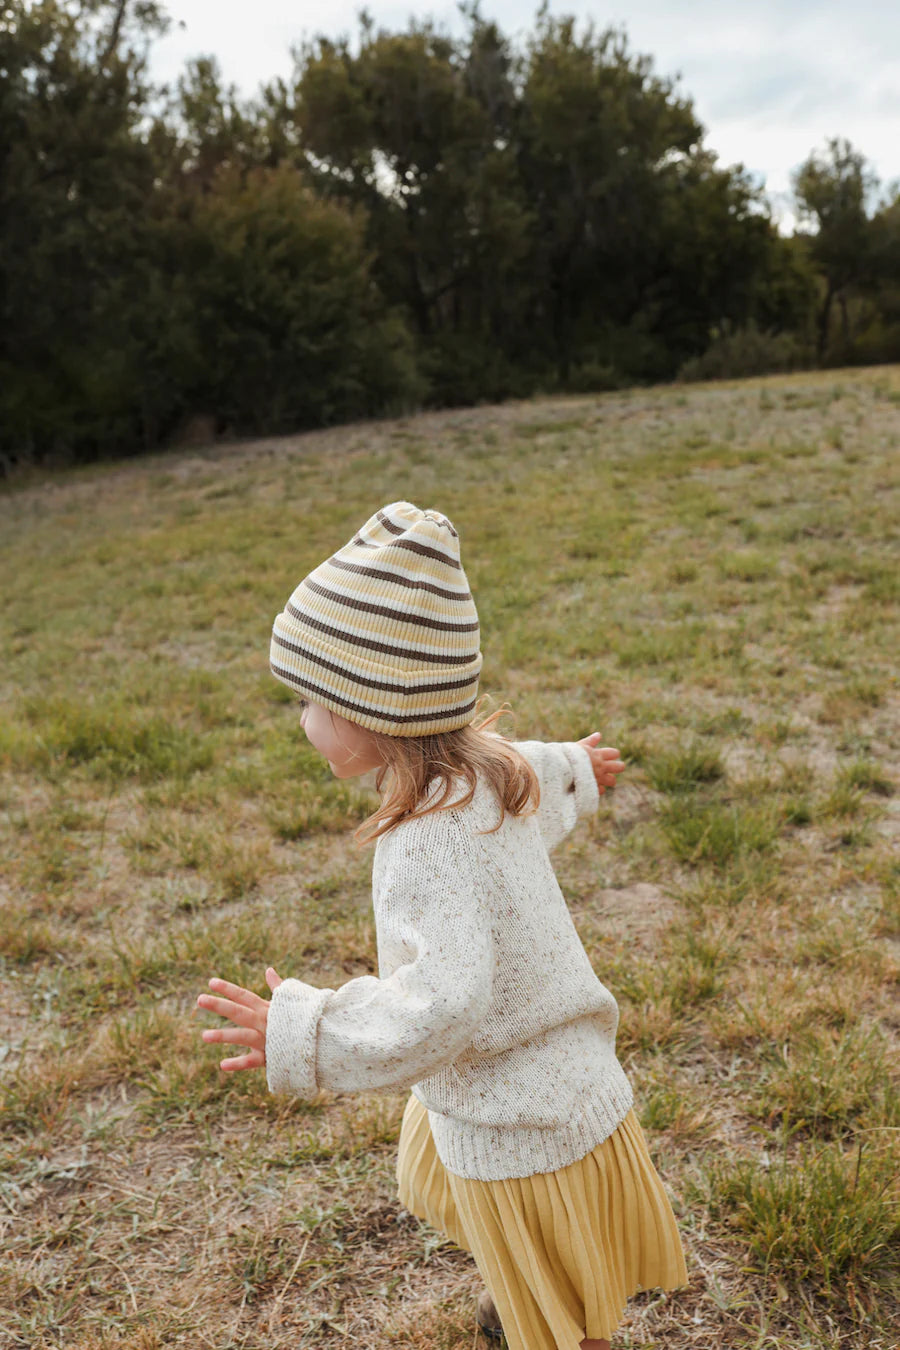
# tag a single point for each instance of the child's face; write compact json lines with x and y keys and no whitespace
{"x":349,"y":748}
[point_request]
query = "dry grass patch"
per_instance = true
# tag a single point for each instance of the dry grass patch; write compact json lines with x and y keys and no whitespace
{"x":707,"y":575}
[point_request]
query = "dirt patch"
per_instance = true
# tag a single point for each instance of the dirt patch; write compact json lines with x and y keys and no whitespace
{"x":631,"y":805}
{"x":635,"y":914}
{"x":837,"y":601}
{"x":744,"y":762}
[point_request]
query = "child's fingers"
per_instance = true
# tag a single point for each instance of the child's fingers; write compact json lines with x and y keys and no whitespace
{"x":255,"y":1060}
{"x":236,"y":992}
{"x":233,"y":1037}
{"x":273,"y":979}
{"x":602,"y":752}
{"x":607,"y":758}
{"x":235,"y":1012}
{"x":606,"y":772}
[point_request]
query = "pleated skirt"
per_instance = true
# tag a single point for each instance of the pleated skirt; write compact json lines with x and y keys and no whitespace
{"x":560,"y":1252}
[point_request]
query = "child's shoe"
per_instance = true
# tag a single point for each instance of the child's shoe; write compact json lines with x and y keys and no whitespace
{"x":488,"y":1317}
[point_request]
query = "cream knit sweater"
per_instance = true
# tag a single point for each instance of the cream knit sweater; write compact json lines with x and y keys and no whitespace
{"x":486,"y":1004}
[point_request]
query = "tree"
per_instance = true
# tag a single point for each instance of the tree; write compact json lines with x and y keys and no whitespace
{"x":529,"y":208}
{"x":421,"y":219}
{"x":720,"y":264}
{"x":73,"y":239}
{"x":595,"y":131}
{"x":289,"y":329}
{"x":832,"y":190}
{"x":152,"y":262}
{"x":418,"y":129}
{"x":878,"y":326}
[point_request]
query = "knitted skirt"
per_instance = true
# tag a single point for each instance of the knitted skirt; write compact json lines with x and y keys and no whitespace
{"x":560,"y":1252}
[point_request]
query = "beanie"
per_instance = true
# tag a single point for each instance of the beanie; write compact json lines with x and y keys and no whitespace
{"x":385,"y":632}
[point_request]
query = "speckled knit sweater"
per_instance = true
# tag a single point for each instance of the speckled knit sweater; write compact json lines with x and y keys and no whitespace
{"x":486,"y":1004}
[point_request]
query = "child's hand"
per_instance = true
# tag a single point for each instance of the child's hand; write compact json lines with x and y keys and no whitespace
{"x":249,"y":1012}
{"x":605,"y":760}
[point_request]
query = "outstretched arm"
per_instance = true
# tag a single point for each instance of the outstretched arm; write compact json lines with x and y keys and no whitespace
{"x":382,"y":1034}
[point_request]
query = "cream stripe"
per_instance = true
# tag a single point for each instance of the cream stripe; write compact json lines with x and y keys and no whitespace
{"x":390,"y":571}
{"x":423,"y":548}
{"x":456,"y":644}
{"x":406,"y":562}
{"x":432,"y":607}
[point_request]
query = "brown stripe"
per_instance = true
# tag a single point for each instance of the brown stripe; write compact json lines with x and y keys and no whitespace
{"x":381,"y":685}
{"x":376,"y":572}
{"x":310,"y":687}
{"x":414,"y":547}
{"x":429,"y":552}
{"x":389,"y":524}
{"x":386,"y":612}
{"x":356,"y":641}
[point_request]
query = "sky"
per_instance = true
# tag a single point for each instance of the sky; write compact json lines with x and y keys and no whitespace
{"x":770,"y":80}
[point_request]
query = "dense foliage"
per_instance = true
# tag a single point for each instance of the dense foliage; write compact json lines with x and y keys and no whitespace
{"x":413,"y":220}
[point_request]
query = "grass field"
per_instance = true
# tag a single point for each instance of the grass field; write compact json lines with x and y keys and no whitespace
{"x":710,"y":576}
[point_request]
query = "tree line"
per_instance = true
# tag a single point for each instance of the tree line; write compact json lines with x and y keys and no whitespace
{"x":412,"y":220}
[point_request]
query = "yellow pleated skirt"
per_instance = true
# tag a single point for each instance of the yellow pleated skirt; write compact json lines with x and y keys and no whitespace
{"x":560,"y":1252}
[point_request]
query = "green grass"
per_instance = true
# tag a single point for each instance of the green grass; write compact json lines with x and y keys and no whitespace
{"x":708,"y":576}
{"x":683,"y":769}
{"x":828,"y":1081}
{"x":57,"y":733}
{"x":822,"y":1217}
{"x":716,"y":832}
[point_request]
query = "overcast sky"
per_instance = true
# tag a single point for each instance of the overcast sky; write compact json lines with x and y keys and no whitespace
{"x":769,"y":81}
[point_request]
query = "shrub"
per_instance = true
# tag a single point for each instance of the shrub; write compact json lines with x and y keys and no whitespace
{"x":748,"y":351}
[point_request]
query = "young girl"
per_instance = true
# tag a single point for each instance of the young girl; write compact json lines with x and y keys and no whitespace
{"x":519,"y":1140}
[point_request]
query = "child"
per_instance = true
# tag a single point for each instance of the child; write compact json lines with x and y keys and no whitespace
{"x":519,"y":1140}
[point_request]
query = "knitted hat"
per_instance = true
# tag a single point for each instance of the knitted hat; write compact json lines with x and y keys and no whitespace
{"x":385,"y":633}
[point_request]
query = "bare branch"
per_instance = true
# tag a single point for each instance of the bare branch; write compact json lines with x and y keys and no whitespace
{"x":114,"y":34}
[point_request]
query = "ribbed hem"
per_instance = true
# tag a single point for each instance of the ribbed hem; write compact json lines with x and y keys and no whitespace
{"x":291,"y":1031}
{"x":587,"y":793}
{"x":497,"y":1152}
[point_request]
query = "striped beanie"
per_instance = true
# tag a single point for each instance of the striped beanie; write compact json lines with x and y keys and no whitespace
{"x":385,"y":633}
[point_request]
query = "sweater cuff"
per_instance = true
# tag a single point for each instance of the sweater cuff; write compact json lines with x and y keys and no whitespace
{"x":291,"y":1030}
{"x":587,"y":793}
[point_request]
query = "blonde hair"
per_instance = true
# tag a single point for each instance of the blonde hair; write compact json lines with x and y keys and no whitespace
{"x":412,"y":763}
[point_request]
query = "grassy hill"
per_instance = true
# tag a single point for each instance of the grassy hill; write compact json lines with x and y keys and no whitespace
{"x":710,"y":576}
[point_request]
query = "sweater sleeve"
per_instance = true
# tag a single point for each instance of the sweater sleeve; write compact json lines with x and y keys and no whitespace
{"x":375,"y":1034}
{"x":568,"y":785}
